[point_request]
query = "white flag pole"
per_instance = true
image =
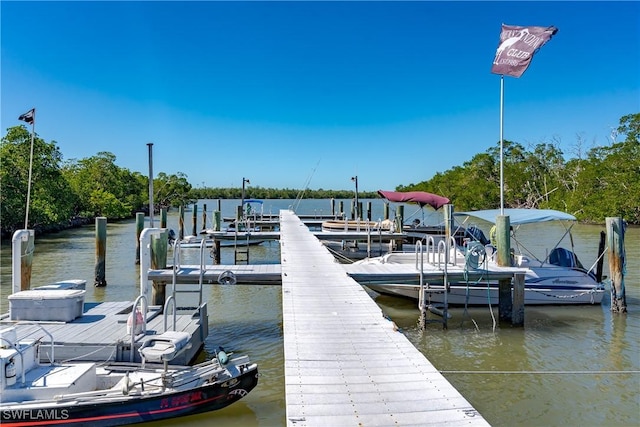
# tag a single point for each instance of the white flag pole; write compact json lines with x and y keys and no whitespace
{"x":151,"y":209}
{"x":501,"y":144}
{"x":33,"y":130}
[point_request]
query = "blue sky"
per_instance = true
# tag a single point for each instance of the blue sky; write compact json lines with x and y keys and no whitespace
{"x":290,"y":94}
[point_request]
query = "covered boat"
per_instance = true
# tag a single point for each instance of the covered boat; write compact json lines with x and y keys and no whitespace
{"x":559,"y":278}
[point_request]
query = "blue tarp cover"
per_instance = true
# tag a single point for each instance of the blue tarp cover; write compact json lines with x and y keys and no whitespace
{"x":520,"y":216}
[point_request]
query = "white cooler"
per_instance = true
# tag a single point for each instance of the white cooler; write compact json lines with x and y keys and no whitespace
{"x":46,"y":305}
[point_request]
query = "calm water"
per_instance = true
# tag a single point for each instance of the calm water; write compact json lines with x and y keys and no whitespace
{"x":568,"y":366}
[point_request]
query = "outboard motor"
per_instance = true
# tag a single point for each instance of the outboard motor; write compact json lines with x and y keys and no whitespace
{"x":478,"y":235}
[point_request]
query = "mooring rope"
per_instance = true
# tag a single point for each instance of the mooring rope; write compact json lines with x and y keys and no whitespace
{"x":542,"y":372}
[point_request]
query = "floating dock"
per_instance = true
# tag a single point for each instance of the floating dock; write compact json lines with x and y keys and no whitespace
{"x":346,"y":364}
{"x":100,"y":334}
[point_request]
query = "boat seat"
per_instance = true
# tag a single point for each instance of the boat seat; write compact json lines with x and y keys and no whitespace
{"x":164,"y":347}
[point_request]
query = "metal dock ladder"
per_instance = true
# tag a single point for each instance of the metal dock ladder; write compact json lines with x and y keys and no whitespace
{"x":438,"y":256}
{"x":185,"y":288}
{"x":240,"y":250}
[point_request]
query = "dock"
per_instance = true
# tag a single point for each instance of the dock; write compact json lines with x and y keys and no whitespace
{"x":100,"y":334}
{"x":346,"y":364}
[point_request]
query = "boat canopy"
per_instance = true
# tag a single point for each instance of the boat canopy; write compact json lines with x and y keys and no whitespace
{"x":420,"y":197}
{"x":520,"y":216}
{"x":253,"y":201}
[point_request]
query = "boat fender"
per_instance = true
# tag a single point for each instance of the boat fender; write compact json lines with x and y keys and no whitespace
{"x":139,"y":321}
{"x":222,"y":356}
{"x":10,"y":372}
{"x":126,"y":384}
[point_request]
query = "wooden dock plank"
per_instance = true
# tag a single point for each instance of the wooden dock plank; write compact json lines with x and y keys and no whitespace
{"x":345,"y":364}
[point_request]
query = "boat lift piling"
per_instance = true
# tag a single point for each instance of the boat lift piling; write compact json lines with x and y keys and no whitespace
{"x":615,"y":242}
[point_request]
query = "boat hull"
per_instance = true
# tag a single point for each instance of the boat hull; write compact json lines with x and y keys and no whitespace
{"x":132,"y":409}
{"x":484,"y":294}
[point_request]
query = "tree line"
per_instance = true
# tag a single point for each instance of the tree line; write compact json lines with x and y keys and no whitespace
{"x":602,"y":181}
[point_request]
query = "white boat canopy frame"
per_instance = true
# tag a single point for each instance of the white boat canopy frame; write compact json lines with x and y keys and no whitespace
{"x":519,"y":216}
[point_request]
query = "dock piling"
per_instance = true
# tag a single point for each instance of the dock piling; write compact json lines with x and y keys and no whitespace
{"x":159,"y":246}
{"x":194,"y":219}
{"x":615,"y":242}
{"x":101,"y":252}
{"x":22,"y":258}
{"x":503,"y":237}
{"x":180,"y":223}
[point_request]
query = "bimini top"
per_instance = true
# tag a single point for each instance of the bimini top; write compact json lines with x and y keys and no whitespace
{"x":253,"y":201}
{"x":520,"y":216}
{"x":420,"y":197}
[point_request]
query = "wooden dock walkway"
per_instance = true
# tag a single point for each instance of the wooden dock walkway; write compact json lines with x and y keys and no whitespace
{"x":345,"y":364}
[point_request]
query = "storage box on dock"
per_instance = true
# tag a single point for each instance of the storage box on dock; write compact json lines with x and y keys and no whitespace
{"x":46,"y":305}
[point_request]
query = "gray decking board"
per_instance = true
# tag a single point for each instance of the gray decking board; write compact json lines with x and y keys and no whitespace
{"x":245,"y":274}
{"x":97,"y":334}
{"x":345,"y":364}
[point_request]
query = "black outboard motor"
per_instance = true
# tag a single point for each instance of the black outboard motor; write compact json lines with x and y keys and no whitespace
{"x":478,"y":235}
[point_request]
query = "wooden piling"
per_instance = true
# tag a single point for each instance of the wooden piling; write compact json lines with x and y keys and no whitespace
{"x":332,"y":202}
{"x":399,"y":222}
{"x":386,"y":210}
{"x":194,"y":218}
{"x":26,"y":260}
{"x":517,"y":310}
{"x":181,"y":222}
{"x":505,"y":301}
{"x":163,"y":218}
{"x":204,"y":216}
{"x":217,"y":226}
{"x":101,"y":252}
{"x":368,"y":211}
{"x":139,"y":228}
{"x":511,"y":303}
{"x":341,"y":208}
{"x":615,"y":242}
{"x":217,"y":221}
{"x":159,"y":245}
{"x":601,"y":249}
{"x":503,"y":225}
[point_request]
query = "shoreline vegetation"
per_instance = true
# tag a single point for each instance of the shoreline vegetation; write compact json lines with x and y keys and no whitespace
{"x":593,"y":184}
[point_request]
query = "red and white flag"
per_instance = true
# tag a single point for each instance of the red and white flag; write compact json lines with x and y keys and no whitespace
{"x":29,"y":116}
{"x":517,"y":46}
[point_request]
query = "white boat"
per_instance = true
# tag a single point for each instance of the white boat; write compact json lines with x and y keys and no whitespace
{"x":112,"y":394}
{"x":559,"y":279}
